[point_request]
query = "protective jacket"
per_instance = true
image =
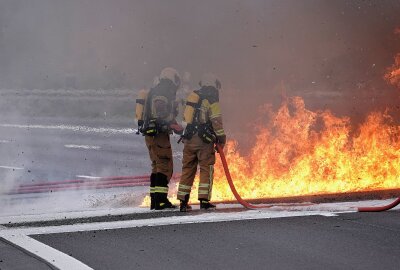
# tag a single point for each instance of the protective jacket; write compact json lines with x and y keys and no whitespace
{"x":203,"y":114}
{"x":204,"y":128}
{"x":159,"y":113}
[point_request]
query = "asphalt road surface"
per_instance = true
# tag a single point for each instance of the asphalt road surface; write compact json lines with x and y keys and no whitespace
{"x":346,"y":241}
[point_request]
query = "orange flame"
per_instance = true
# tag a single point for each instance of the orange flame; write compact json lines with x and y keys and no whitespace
{"x":300,"y":152}
{"x":393,"y":73}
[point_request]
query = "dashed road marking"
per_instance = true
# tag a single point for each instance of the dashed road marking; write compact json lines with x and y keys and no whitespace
{"x":88,"y":177}
{"x":83,"y":129}
{"x":5,"y":141}
{"x":78,"y":146}
{"x":11,"y":168}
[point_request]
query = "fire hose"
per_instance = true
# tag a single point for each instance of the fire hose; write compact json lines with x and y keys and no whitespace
{"x":252,"y":206}
{"x":232,"y":186}
{"x":379,"y":208}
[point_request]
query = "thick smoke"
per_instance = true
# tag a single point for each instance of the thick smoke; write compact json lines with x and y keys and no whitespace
{"x":332,"y":53}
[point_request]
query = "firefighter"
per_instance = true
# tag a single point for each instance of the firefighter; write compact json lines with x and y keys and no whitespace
{"x":139,"y":112}
{"x":158,"y":123}
{"x":204,"y":129}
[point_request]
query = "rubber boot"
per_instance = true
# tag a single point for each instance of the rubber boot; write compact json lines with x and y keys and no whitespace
{"x":206,"y":205}
{"x":162,"y":202}
{"x":160,"y":198}
{"x":184,"y":207}
{"x":152,"y":192}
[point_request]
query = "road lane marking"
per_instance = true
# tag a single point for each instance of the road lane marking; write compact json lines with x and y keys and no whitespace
{"x":51,"y":255}
{"x":11,"y":168}
{"x":88,"y":177}
{"x":164,"y":221}
{"x":4,"y":141}
{"x":81,"y":146}
{"x":83,"y":129}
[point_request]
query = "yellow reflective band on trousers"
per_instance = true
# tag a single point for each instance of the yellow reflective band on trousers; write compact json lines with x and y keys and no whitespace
{"x":184,"y":187}
{"x":206,"y":188}
{"x":220,"y":132}
{"x":161,"y":189}
{"x":152,"y":189}
{"x":183,"y":193}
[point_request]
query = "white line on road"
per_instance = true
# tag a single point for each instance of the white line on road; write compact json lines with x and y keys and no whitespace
{"x":4,"y":141}
{"x":11,"y":168}
{"x":88,"y":177}
{"x":51,"y":255}
{"x":163,"y":221}
{"x":83,"y":129}
{"x":78,"y":146}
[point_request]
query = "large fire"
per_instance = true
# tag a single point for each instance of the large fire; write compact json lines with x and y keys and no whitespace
{"x":300,"y":152}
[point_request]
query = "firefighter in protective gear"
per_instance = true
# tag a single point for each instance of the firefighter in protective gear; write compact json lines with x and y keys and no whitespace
{"x":139,"y":113}
{"x":158,"y":123}
{"x":204,"y":129}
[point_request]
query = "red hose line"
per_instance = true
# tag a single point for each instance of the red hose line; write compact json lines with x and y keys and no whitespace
{"x":379,"y":208}
{"x":232,"y":186}
{"x":100,"y":179}
{"x":97,"y":180}
{"x":77,"y":187}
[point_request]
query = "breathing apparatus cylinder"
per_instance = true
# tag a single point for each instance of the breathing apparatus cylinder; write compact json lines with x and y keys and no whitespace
{"x":192,"y":103}
{"x":140,"y":102}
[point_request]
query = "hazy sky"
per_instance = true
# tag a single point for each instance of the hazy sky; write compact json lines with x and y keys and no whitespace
{"x":326,"y":48}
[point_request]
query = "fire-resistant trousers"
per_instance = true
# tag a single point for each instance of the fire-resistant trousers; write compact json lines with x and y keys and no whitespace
{"x":160,"y":153}
{"x":196,"y":152}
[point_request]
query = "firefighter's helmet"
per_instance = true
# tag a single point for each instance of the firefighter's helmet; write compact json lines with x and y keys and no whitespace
{"x":209,"y":79}
{"x":171,"y":74}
